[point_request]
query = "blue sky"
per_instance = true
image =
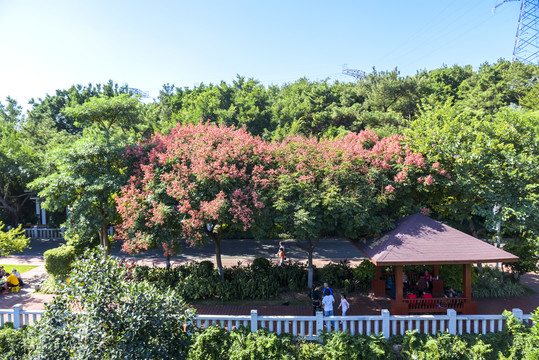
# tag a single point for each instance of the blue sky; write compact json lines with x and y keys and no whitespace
{"x":49,"y":45}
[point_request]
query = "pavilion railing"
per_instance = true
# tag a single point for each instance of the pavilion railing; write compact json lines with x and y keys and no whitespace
{"x":309,"y":327}
{"x":429,"y":305}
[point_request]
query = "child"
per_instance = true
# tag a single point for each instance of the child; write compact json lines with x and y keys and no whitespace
{"x":280,"y":254}
{"x":344,"y":303}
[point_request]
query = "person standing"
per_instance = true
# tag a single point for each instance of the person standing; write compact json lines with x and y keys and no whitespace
{"x":328,"y":301}
{"x":326,"y":286}
{"x":344,"y":304}
{"x":281,"y":254}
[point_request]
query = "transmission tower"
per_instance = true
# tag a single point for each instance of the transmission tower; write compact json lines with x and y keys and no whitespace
{"x":527,"y":39}
{"x":358,"y":74}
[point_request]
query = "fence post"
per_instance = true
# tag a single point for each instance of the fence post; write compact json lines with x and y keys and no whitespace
{"x":386,"y":325}
{"x":452,"y":323}
{"x":17,"y":316}
{"x":319,"y":324}
{"x":517,"y":313}
{"x":254,"y":320}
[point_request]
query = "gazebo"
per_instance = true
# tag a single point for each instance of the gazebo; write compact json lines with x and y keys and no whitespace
{"x":420,"y":240}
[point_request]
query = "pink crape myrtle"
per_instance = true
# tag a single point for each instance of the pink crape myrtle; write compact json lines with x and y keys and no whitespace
{"x":198,"y":182}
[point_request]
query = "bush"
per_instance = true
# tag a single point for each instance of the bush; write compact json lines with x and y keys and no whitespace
{"x":12,"y":342}
{"x":80,"y":242}
{"x":335,"y":274}
{"x":363,"y":274}
{"x":99,"y":315}
{"x":490,"y":284}
{"x":211,"y":344}
{"x":58,"y":260}
{"x":260,"y":345}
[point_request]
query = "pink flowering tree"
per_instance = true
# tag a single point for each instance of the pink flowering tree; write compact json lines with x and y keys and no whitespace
{"x":194,"y":185}
{"x":354,"y":186}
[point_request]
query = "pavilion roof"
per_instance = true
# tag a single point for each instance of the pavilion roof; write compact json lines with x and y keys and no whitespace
{"x":420,"y":240}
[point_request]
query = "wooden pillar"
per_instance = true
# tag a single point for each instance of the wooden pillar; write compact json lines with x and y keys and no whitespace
{"x":467,"y":280}
{"x":398,"y":283}
{"x":470,"y":307}
{"x":436,"y":270}
{"x":378,"y":274}
{"x":378,"y":284}
{"x":398,"y":306}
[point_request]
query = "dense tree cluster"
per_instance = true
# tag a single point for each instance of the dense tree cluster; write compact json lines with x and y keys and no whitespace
{"x":298,"y":159}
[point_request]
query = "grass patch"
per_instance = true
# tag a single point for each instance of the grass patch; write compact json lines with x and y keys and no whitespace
{"x":20,"y":268}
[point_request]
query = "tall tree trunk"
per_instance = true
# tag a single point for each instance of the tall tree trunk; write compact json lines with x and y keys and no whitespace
{"x":104,"y":239}
{"x":310,"y":267}
{"x":168,"y":262}
{"x":217,"y":241}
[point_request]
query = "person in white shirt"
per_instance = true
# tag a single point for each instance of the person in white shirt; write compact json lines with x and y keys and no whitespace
{"x":328,"y":301}
{"x":344,"y":304}
{"x":18,"y":275}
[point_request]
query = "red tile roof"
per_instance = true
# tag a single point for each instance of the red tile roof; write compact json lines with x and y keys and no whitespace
{"x":420,"y":240}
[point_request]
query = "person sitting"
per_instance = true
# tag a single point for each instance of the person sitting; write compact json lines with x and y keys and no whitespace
{"x":11,"y":282}
{"x":412,"y":303}
{"x":405,"y":283}
{"x":427,"y":303}
{"x":428,"y":278}
{"x":2,"y":271}
{"x":18,"y":275}
{"x":453,"y":293}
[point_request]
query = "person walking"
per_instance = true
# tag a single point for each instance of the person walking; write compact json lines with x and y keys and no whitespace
{"x":281,"y":254}
{"x":344,"y":304}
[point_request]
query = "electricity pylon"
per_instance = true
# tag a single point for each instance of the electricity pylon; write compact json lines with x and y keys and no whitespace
{"x":358,"y":74}
{"x":527,"y":39}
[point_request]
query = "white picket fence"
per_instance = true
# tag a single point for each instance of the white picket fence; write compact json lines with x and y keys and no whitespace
{"x":309,"y":327}
{"x":45,"y":233}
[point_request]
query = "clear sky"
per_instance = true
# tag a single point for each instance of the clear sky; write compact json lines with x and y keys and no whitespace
{"x":53,"y":44}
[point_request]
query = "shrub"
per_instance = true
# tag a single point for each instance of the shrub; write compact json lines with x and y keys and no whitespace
{"x":261,"y":265}
{"x":490,"y":284}
{"x":363,"y":274}
{"x":99,"y":315}
{"x":12,"y":342}
{"x":260,"y":345}
{"x":58,"y":260}
{"x":210,"y":344}
{"x":526,"y":250}
{"x":335,"y":274}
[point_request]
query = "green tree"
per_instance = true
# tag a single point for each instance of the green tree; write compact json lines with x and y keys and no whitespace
{"x":19,"y":164}
{"x":495,"y":86}
{"x":85,"y":178}
{"x":12,"y":241}
{"x":492,"y":161}
{"x":103,"y":112}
